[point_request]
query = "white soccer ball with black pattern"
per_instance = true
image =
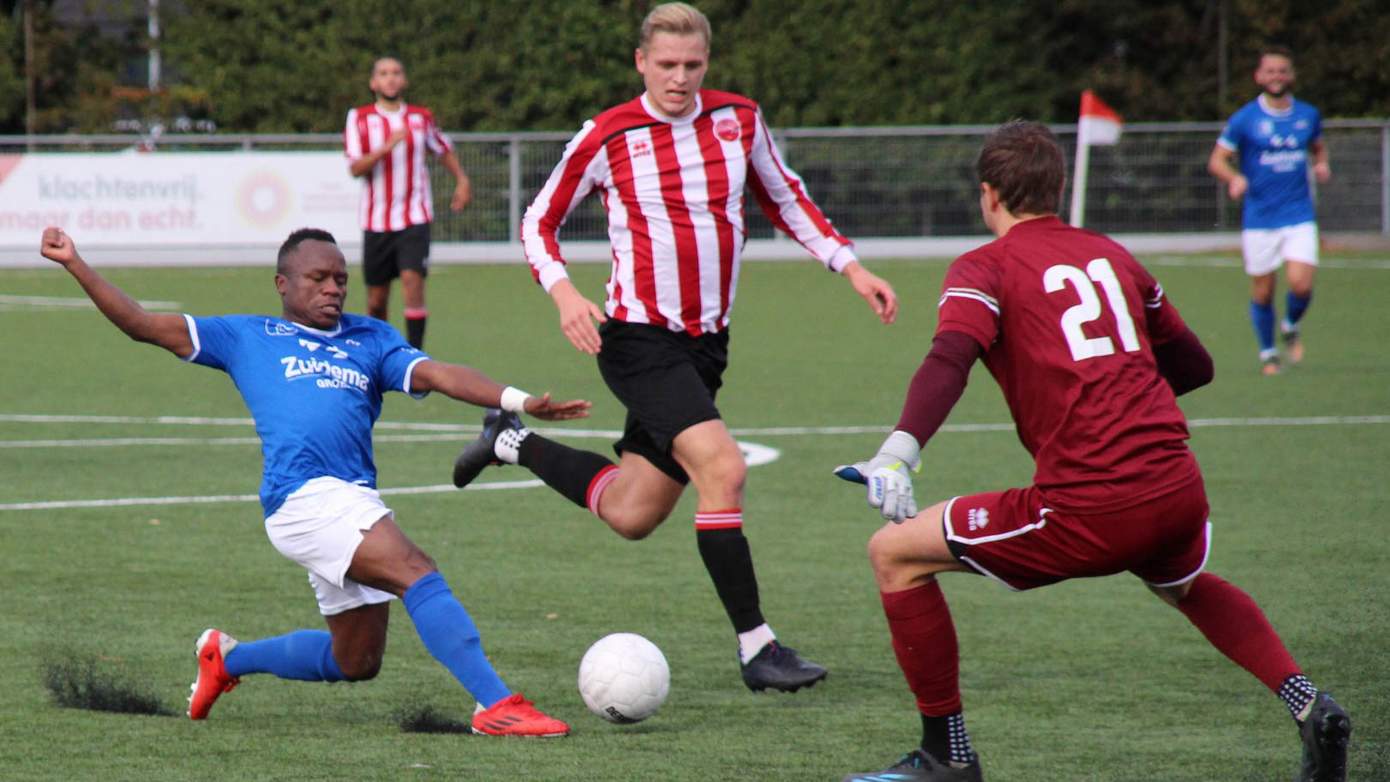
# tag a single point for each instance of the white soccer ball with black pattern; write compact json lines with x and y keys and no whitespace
{"x":624,"y":678}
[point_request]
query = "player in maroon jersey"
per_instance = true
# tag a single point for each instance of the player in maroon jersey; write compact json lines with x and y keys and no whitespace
{"x":1090,"y":356}
{"x":385,"y":142}
{"x":671,"y":166}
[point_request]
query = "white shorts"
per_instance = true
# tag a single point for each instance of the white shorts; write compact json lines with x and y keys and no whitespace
{"x":320,"y":526}
{"x":1266,"y":249}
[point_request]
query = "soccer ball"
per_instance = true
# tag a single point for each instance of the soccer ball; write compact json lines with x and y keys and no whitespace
{"x":624,"y":678}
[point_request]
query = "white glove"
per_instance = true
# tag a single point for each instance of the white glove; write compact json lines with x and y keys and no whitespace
{"x":886,"y":476}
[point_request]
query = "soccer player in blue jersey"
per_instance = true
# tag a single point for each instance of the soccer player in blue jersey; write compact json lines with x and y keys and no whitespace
{"x":313,"y":379}
{"x":1274,"y":135}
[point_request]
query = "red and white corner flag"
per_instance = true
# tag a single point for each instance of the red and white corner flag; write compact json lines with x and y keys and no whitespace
{"x":1099,"y":125}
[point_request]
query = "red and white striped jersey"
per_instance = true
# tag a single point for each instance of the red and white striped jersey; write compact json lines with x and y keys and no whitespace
{"x":673,"y":189}
{"x":396,"y":192}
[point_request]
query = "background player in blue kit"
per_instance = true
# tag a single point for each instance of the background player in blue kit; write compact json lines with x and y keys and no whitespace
{"x":313,"y":379}
{"x":1273,"y":136}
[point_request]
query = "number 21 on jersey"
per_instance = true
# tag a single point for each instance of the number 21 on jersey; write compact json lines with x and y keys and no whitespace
{"x":1088,"y":309}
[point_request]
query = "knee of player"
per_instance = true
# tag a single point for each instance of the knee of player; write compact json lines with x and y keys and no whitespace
{"x":729,"y":472}
{"x":882,"y":553}
{"x":636,"y":526}
{"x":362,"y":667}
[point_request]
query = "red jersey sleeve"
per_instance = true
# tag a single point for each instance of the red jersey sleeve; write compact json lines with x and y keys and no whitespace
{"x":1161,"y":318}
{"x":970,"y":300}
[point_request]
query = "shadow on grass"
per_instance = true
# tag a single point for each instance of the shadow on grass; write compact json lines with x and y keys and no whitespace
{"x":84,"y":682}
{"x":427,"y":719}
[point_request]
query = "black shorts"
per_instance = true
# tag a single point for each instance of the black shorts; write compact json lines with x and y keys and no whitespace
{"x":667,"y":380}
{"x":385,"y":253}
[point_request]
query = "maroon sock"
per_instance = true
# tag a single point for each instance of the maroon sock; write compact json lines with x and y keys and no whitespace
{"x":924,"y":639}
{"x":1233,"y":623}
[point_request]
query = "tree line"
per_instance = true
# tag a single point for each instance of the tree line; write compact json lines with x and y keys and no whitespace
{"x":297,"y":65}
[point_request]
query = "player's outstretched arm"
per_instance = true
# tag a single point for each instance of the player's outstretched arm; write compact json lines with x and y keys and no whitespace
{"x":873,"y":289}
{"x":467,"y":384}
{"x":578,"y":316}
{"x":168,"y":331}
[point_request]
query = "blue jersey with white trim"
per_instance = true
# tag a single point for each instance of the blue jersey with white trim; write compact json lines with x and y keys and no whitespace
{"x":1272,"y":147}
{"x":313,"y":394}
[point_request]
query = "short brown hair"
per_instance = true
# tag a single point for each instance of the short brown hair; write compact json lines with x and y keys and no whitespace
{"x":1024,"y":163}
{"x":675,"y":18}
{"x":1276,"y":50}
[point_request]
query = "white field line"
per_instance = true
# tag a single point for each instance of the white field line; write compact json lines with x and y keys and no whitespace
{"x":1234,"y":262}
{"x":469,"y":429}
{"x":204,"y":499}
{"x":74,"y":302}
{"x":756,"y":454}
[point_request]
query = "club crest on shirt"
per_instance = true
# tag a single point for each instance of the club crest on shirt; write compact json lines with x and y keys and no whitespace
{"x":727,"y":129}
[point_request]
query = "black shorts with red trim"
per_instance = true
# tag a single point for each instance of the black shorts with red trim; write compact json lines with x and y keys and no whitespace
{"x":386,"y":253}
{"x":667,"y":380}
{"x":1015,"y":537}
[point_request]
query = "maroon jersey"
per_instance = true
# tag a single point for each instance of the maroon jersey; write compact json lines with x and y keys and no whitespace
{"x":1068,"y":320}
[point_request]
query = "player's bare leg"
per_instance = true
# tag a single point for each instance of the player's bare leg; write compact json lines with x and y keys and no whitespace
{"x":906,"y":559}
{"x":378,"y":301}
{"x":359,"y":640}
{"x":639,"y":498}
{"x":1236,"y":626}
{"x":416,"y":314}
{"x":1262,"y":318}
{"x":1299,"y":275}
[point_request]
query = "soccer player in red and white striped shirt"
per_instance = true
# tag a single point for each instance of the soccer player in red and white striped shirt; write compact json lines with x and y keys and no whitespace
{"x":671,"y":167}
{"x":386,"y":142}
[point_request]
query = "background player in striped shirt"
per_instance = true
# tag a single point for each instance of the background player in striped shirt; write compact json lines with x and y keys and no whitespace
{"x":313,"y":380}
{"x":1273,"y":135}
{"x":1090,"y":356}
{"x":386,"y":142}
{"x":671,"y":166}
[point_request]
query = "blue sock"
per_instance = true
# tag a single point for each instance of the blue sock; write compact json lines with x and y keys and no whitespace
{"x":1294,"y":307}
{"x":449,"y":634}
{"x":1262,"y":318}
{"x":306,"y":655}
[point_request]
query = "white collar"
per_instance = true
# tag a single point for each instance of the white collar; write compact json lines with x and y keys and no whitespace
{"x":1273,"y":112}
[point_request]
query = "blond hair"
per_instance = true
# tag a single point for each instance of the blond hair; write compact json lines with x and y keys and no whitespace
{"x":675,"y":18}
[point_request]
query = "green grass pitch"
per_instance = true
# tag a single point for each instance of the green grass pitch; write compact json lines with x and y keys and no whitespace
{"x":1089,"y":680}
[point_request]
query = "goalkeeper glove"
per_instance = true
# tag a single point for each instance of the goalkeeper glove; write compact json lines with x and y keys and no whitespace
{"x":889,"y":487}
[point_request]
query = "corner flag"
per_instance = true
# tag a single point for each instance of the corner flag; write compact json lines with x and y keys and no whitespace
{"x":1099,"y":125}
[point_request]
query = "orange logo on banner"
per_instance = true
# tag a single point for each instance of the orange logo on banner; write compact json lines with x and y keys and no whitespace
{"x":263,"y":198}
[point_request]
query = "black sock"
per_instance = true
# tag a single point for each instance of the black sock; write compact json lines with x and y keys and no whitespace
{"x":567,"y":470}
{"x":415,"y":332}
{"x":730,"y":566}
{"x":946,"y":739}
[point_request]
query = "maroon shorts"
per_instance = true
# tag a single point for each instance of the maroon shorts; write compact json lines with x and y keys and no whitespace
{"x":1014,"y":537}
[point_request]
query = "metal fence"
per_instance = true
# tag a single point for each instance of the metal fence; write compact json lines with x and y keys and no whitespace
{"x":898,"y":182}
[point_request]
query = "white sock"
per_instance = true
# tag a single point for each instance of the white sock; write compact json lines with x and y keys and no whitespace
{"x":753,"y":641}
{"x":509,"y":443}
